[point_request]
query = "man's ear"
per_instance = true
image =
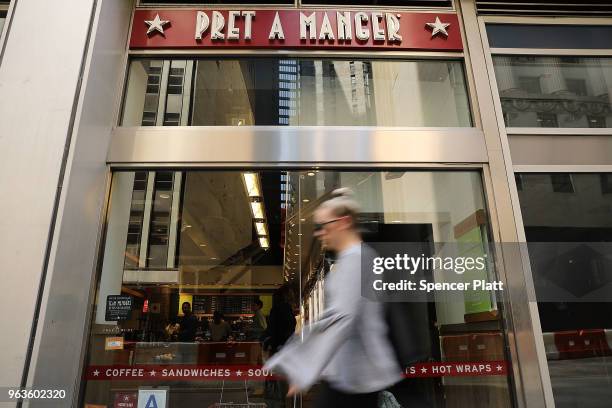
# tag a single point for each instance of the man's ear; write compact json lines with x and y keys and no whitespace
{"x":347,"y":222}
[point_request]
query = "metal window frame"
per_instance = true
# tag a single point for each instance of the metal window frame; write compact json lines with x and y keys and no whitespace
{"x":534,"y":131}
{"x":546,"y":20}
{"x":297,"y":4}
{"x":590,"y":52}
{"x":547,"y":168}
{"x":526,"y":132}
{"x":586,"y":21}
{"x":530,"y":369}
{"x":545,"y":383}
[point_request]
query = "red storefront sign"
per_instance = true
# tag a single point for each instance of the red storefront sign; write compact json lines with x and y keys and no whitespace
{"x":310,"y":29}
{"x":180,"y":372}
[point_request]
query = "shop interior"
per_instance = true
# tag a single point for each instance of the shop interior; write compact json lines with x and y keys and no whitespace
{"x":222,"y":268}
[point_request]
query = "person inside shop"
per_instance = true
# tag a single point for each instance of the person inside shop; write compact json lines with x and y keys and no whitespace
{"x":220,"y":330}
{"x":281,"y":322}
{"x":348,"y":348}
{"x":259,"y":325}
{"x":188,"y":324}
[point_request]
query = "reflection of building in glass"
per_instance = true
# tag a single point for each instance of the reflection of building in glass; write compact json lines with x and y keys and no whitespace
{"x":331,"y":92}
{"x":287,"y":90}
{"x":307,"y":92}
{"x":555,"y":91}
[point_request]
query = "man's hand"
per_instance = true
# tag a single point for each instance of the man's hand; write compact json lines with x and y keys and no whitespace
{"x":293,"y":390}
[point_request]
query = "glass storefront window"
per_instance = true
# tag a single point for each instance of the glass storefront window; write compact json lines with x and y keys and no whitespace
{"x":183,"y":247}
{"x":266,"y":91}
{"x":555,"y":92}
{"x":571,"y":214}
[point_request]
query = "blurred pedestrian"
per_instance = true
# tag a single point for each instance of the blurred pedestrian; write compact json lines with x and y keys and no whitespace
{"x":348,"y":348}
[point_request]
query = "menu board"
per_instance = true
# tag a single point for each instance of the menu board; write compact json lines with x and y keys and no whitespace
{"x":118,"y":307}
{"x":226,"y":304}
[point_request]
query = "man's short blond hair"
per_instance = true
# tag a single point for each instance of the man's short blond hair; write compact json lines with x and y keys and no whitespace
{"x":342,"y":203}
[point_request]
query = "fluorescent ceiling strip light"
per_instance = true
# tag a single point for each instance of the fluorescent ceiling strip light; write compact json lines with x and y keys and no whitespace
{"x":257,"y":209}
{"x":263,"y":241}
{"x":260,"y":226}
{"x":251,"y":182}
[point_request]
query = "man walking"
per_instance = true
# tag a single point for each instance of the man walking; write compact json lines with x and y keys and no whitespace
{"x":348,"y":348}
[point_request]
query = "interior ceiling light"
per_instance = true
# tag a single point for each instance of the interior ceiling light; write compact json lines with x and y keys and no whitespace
{"x":164,"y":196}
{"x":253,"y":189}
{"x":260,"y":226}
{"x":251,"y":182}
{"x":257,"y":209}
{"x":264,"y":243}
{"x":311,"y":173}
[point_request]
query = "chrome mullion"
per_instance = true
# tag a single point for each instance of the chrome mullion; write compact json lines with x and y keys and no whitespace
{"x":146,"y":221}
{"x":531,"y":392}
{"x":187,"y":89}
{"x":163,"y":91}
{"x":232,"y":144}
{"x":174,"y":218}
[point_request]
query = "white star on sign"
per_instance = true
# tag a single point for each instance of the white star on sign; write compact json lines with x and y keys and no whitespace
{"x":156,"y":24}
{"x":95,"y":373}
{"x":499,"y":368}
{"x":438,"y":27}
{"x":239,"y":373}
{"x":423,"y":370}
{"x":152,"y":373}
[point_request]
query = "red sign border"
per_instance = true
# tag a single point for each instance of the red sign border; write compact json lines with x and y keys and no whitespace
{"x":179,"y":33}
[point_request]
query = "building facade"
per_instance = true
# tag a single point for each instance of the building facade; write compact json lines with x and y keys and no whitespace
{"x":167,"y":158}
